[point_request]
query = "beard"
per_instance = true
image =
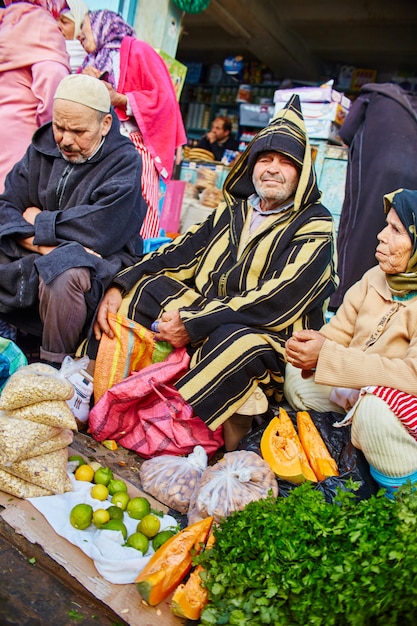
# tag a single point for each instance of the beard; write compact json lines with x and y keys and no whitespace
{"x":278,"y":194}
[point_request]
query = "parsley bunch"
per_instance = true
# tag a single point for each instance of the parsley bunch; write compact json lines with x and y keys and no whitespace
{"x":300,"y":560}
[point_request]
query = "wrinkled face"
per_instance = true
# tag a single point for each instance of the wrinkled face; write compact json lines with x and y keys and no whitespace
{"x":78,"y":129}
{"x":218,"y":129}
{"x":394,"y":248}
{"x":66,"y":26}
{"x":275,"y":178}
{"x":86,"y":36}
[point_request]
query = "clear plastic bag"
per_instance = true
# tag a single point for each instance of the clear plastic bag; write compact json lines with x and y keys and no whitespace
{"x":238,"y":478}
{"x":173,"y":479}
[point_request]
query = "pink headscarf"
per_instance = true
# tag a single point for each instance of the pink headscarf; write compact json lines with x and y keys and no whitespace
{"x":53,"y":6}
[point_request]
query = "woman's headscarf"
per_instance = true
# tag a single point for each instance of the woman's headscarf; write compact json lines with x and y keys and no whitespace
{"x":53,"y":6}
{"x":76,"y":12}
{"x":109,"y":30}
{"x":404,"y":202}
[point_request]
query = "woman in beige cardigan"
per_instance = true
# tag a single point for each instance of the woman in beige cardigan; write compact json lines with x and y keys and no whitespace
{"x":364,"y":361}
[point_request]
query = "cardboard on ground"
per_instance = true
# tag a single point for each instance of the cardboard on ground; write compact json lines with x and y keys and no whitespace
{"x":124,"y":600}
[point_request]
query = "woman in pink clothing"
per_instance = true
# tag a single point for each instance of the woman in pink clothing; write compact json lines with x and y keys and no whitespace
{"x":143,"y":95}
{"x":33,"y":60}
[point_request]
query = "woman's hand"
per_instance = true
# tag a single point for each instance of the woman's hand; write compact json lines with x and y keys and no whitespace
{"x":117,"y":100}
{"x":92,"y":71}
{"x":110,"y":304}
{"x":172,"y":329}
{"x":303,"y":349}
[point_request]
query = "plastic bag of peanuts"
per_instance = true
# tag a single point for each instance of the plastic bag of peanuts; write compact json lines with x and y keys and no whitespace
{"x":238,"y":478}
{"x":173,"y":479}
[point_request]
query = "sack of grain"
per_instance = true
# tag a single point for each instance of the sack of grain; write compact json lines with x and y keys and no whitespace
{"x":34,"y":383}
{"x":18,"y":437}
{"x":47,"y":470}
{"x":19,"y":487}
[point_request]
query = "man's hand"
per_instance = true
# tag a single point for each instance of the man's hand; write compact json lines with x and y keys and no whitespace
{"x":172,"y":329}
{"x":303,"y":349}
{"x":30,"y":214}
{"x":110,"y":304}
{"x":212,"y":137}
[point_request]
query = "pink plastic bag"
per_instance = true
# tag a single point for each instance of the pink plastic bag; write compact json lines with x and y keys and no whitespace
{"x":146,"y":414}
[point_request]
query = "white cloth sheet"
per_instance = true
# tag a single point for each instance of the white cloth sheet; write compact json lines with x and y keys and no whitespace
{"x":115,"y":562}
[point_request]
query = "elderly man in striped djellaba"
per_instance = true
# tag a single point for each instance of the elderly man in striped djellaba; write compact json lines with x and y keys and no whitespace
{"x":234,"y":288}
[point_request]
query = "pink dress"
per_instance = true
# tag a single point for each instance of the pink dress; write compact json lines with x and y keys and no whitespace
{"x":33,"y":60}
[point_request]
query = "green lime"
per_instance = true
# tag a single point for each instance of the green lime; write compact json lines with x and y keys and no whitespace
{"x":100,"y":517}
{"x":139,"y":542}
{"x":149,"y":525}
{"x":115,"y":512}
{"x":116,"y":524}
{"x":115,"y":484}
{"x":138,"y":507}
{"x":79,"y":459}
{"x":120,"y":499}
{"x":103,"y":476}
{"x":161,"y":538}
{"x":81,"y":516}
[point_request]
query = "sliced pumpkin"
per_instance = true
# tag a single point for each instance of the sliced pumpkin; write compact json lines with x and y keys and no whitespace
{"x":282,"y":450}
{"x":319,"y":456}
{"x":190,"y":598}
{"x":171,"y":562}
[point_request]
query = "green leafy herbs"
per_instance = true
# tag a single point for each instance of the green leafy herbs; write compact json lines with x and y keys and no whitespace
{"x":300,"y":560}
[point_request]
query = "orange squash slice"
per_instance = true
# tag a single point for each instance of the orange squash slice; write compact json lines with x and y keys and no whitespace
{"x":320,"y":458}
{"x":171,"y":562}
{"x":282,"y":450}
{"x":190,"y":598}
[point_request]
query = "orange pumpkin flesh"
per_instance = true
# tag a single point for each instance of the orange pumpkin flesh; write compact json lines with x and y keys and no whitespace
{"x":320,"y":459}
{"x":282,"y":450}
{"x":171,"y":562}
{"x":190,"y":598}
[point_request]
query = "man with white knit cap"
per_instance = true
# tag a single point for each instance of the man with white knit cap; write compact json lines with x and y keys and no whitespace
{"x":70,"y":218}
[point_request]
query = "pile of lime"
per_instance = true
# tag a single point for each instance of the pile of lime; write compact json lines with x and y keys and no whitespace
{"x":105,"y":488}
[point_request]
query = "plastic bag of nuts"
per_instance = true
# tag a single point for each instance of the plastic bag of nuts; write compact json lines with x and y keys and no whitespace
{"x":173,"y":479}
{"x":238,"y":478}
{"x":34,"y":383}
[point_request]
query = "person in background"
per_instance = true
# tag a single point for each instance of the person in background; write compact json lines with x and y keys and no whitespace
{"x":143,"y":95}
{"x":381,"y":132}
{"x":69,"y":23}
{"x":234,"y":289}
{"x":219,"y":138}
{"x":366,"y":356}
{"x":33,"y":60}
{"x":70,"y":218}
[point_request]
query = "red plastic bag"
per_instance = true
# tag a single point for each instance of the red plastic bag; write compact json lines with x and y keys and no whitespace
{"x":146,"y":414}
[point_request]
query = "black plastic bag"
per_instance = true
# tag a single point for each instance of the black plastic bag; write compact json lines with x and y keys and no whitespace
{"x":350,"y":461}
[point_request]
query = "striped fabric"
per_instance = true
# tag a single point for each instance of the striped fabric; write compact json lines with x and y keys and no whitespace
{"x":402,"y":404}
{"x":150,"y":188}
{"x":239,"y":304}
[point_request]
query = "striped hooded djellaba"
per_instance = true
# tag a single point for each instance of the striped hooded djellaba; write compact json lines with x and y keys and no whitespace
{"x":240,"y":300}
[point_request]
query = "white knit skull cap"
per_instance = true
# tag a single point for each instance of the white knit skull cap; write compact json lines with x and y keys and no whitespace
{"x":86,"y":90}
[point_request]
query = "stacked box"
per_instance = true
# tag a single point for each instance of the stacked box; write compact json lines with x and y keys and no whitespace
{"x":324,"y":109}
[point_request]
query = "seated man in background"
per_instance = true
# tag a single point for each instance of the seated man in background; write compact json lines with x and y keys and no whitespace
{"x":234,"y":288}
{"x":70,"y":217}
{"x":219,"y":138}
